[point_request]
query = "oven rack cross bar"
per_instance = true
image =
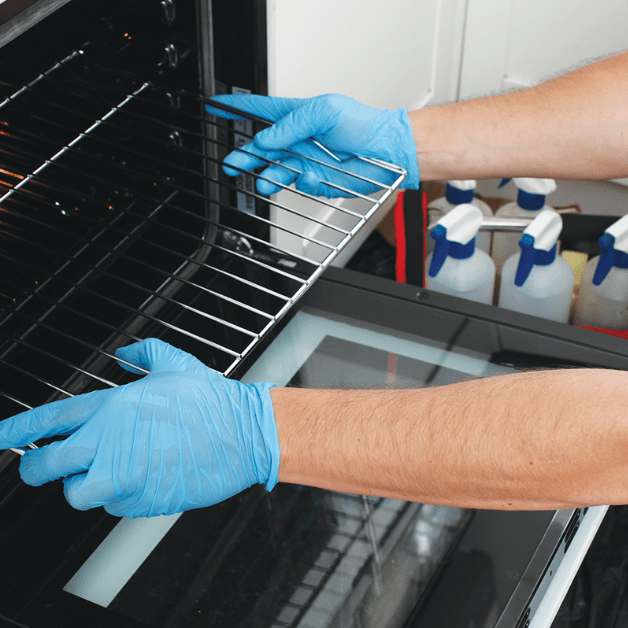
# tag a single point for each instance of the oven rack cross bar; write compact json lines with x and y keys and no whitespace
{"x":90,"y":268}
{"x":67,"y":336}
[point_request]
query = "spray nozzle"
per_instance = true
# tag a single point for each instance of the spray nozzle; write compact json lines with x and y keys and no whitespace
{"x":526,"y":261}
{"x":614,"y":244}
{"x":538,"y":244}
{"x":607,"y":257}
{"x":454,"y":235}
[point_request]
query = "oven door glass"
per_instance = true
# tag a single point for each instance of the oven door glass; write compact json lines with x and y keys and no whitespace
{"x":298,"y":556}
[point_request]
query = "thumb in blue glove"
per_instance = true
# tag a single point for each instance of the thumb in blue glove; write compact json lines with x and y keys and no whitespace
{"x":343,"y":125}
{"x":181,"y":437}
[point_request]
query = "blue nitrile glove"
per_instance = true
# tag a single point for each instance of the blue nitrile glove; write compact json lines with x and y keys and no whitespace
{"x":341,"y":124}
{"x":181,"y":437}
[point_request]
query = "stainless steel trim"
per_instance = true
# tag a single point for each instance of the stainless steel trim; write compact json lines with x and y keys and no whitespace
{"x":523,"y":595}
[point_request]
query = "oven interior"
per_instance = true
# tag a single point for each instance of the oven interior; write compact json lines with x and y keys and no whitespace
{"x":117,"y":221}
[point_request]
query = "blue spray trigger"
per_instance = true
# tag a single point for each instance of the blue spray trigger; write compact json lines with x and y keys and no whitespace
{"x":441,"y":249}
{"x":607,"y":257}
{"x":526,"y":261}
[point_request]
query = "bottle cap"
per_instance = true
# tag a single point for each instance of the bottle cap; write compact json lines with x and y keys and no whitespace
{"x":532,"y":192}
{"x":464,"y":184}
{"x":614,"y":245}
{"x":459,"y":192}
{"x":454,"y":235}
{"x":538,"y":244}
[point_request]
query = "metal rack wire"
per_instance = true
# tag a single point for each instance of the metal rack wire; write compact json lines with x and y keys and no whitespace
{"x":116,"y":224}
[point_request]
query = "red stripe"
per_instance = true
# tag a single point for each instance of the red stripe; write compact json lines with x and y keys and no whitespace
{"x":620,"y":333}
{"x":400,"y":239}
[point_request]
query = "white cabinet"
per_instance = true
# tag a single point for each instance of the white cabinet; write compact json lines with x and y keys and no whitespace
{"x":411,"y":53}
{"x":515,"y":43}
{"x":392,"y":53}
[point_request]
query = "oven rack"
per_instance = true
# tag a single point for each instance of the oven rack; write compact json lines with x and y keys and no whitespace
{"x":118,"y":224}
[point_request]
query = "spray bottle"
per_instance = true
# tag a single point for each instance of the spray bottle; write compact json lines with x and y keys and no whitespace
{"x":529,"y":204}
{"x":603,"y":299}
{"x":536,"y":281}
{"x":455,"y":265}
{"x":458,"y":193}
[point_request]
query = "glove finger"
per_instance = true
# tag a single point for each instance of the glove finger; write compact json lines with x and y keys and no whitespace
{"x":54,"y":462}
{"x":309,"y":183}
{"x":270,"y":108}
{"x":155,"y":356}
{"x":59,"y":418}
{"x":275,"y":176}
{"x":247,"y":158}
{"x":83,"y":493}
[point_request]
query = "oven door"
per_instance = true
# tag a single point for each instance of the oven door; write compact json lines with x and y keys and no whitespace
{"x":301,"y":556}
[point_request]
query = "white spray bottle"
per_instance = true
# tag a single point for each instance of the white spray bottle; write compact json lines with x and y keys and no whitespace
{"x":603,"y":298}
{"x":459,"y":193}
{"x":455,"y":265}
{"x":537,"y":281}
{"x":529,"y":204}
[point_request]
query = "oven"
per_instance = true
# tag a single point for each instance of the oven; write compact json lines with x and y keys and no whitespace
{"x":117,"y":224}
{"x":117,"y":221}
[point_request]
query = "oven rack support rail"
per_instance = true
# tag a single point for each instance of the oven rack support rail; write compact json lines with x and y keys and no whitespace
{"x":127,"y":170}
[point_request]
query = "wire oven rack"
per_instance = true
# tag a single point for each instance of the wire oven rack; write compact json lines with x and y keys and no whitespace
{"x":116,"y":224}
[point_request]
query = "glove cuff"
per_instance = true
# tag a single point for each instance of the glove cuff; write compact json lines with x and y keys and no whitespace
{"x":268,"y":429}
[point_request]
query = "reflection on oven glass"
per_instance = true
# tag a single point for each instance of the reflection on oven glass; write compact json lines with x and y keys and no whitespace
{"x":297,"y":557}
{"x":379,"y":558}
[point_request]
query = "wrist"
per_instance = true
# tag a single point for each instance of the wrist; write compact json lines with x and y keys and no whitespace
{"x":440,"y":148}
{"x":409,"y":150}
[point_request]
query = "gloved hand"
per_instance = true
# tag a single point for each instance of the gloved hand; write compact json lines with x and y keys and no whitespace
{"x":181,"y":437}
{"x":341,"y":124}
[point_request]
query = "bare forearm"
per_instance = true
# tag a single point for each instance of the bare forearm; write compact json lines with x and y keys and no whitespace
{"x":542,"y":440}
{"x":572,"y":127}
